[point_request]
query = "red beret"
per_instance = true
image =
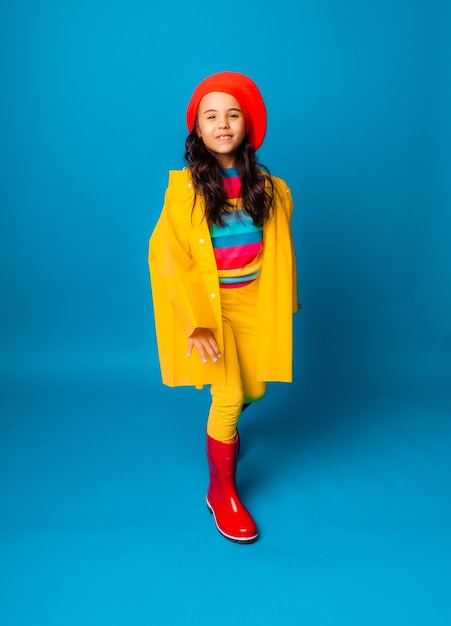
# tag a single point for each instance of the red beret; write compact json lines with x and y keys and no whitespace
{"x":245,"y":91}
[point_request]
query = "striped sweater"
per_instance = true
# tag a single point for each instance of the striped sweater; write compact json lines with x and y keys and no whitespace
{"x":238,"y":244}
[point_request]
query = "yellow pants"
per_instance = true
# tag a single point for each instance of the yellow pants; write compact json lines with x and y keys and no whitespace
{"x":238,"y":317}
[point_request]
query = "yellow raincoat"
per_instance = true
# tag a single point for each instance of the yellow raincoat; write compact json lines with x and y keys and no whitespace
{"x":186,"y":292}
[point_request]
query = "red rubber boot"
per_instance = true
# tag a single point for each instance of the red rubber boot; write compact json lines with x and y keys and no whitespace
{"x":232,"y":519}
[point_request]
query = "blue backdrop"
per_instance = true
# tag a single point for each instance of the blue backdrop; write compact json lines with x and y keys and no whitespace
{"x":92,"y":106}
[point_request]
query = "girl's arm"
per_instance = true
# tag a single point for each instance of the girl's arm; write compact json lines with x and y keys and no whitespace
{"x":176,"y":279}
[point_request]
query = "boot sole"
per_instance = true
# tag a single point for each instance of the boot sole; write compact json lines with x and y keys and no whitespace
{"x":252,"y":539}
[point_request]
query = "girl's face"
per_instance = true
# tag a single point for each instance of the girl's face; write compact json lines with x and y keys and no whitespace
{"x":220,"y":124}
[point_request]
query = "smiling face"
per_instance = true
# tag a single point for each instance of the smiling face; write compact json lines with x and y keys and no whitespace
{"x":221,"y":125}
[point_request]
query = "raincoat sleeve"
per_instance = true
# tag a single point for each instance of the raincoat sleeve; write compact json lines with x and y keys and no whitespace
{"x":176,"y":277}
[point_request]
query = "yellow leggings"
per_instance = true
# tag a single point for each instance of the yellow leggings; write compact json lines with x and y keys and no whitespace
{"x":238,"y":318}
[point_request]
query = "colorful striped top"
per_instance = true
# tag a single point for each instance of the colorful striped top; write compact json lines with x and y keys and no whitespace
{"x":238,"y":244}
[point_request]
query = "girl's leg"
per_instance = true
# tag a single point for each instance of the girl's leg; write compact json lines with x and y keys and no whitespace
{"x":231,"y":516}
{"x":242,"y":320}
{"x":226,"y":402}
{"x":240,"y":341}
{"x":245,"y":342}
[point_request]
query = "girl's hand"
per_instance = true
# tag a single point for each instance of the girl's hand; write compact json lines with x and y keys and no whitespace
{"x":205,"y":342}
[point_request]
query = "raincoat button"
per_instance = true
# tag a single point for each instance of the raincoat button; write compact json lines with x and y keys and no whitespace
{"x":201,"y":240}
{"x":189,"y":185}
{"x":213,"y":295}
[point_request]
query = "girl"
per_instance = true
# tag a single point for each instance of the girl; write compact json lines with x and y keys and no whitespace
{"x":223,"y":276}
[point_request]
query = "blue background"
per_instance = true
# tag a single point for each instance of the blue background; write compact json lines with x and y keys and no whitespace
{"x":103,"y":471}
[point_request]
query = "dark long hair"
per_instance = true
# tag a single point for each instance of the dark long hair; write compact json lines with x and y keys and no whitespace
{"x":206,"y":172}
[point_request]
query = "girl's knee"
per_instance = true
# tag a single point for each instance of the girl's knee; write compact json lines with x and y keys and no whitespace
{"x":227,"y":400}
{"x":255,"y":393}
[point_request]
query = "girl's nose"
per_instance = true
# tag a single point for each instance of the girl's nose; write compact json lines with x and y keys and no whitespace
{"x":222,"y":123}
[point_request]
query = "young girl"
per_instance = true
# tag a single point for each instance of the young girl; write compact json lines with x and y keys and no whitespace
{"x":223,"y":276}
